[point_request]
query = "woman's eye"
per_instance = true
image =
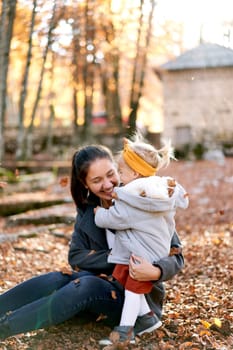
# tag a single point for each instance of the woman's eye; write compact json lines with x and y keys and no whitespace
{"x":96,"y":181}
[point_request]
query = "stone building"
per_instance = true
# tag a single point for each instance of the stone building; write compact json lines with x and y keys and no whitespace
{"x":198,"y":96}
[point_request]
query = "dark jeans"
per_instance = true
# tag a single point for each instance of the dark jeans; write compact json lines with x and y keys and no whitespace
{"x":53,"y":298}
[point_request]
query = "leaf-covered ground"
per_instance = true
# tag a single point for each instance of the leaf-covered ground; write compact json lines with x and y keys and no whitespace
{"x":198,"y":310}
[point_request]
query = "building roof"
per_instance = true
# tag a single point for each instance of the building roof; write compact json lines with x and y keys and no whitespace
{"x":203,"y":56}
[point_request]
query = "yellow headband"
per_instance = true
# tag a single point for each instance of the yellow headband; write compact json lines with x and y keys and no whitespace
{"x":137,"y":163}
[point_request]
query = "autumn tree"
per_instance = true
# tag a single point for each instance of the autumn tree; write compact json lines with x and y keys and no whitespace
{"x":39,"y":88}
{"x":143,"y":38}
{"x":96,"y":66}
{"x":6,"y":30}
{"x":24,"y":87}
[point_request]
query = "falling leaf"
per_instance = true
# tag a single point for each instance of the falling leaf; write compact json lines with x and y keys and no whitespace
{"x":64,"y":181}
{"x":91,"y":252}
{"x":101,"y":317}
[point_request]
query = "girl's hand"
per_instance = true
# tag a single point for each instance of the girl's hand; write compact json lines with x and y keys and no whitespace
{"x":141,"y":270}
{"x":95,"y":209}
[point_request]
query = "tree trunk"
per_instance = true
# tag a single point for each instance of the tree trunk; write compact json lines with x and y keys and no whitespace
{"x":88,"y":72}
{"x":29,"y":137}
{"x":139,"y":68}
{"x":134,"y":96}
{"x":6,"y":30}
{"x":23,"y":94}
{"x":49,"y":142}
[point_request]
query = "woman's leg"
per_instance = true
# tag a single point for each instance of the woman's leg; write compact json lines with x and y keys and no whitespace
{"x":33,"y":289}
{"x":87,"y":292}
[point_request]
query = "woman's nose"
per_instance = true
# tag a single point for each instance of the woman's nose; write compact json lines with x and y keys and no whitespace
{"x":107,"y":184}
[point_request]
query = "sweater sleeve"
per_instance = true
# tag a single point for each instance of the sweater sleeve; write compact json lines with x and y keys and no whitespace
{"x":85,"y":255}
{"x":115,"y":218}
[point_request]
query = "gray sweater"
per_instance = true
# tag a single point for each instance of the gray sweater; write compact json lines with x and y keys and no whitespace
{"x":144,"y":226}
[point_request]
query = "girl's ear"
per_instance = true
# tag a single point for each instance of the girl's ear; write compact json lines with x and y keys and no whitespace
{"x":136,"y":175}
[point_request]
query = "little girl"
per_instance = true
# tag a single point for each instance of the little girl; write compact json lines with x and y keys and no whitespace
{"x":143,"y":215}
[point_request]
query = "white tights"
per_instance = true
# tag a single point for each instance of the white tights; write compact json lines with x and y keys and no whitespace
{"x":134,"y":305}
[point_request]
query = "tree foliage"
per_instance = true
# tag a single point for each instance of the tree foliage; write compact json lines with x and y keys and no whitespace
{"x":74,"y":61}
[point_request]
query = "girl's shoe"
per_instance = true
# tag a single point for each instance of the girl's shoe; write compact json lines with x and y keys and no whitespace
{"x":147,"y":323}
{"x":120,"y":334}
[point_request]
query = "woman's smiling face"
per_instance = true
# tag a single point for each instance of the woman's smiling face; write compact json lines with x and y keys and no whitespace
{"x":101,"y":178}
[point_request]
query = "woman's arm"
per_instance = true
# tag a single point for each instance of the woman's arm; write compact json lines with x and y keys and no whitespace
{"x":162,"y":270}
{"x":86,"y":253}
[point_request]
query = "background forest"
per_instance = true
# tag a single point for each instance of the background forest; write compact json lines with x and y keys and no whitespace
{"x":77,"y":69}
{"x":89,"y":70}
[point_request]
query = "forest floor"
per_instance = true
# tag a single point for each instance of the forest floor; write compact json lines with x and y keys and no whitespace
{"x":198,"y":309}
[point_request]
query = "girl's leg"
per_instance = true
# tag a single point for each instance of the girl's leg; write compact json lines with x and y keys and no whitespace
{"x":144,"y":306}
{"x":33,"y":289}
{"x":134,"y":305}
{"x":88,"y":292}
{"x":131,"y":308}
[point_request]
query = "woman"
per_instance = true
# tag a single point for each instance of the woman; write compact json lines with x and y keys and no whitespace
{"x":52,"y":298}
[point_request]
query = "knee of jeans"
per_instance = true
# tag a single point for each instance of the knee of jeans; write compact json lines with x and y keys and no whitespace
{"x":58,"y":278}
{"x":88,"y":283}
{"x":84,"y":282}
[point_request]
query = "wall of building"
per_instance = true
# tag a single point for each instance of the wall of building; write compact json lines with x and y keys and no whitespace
{"x":198,"y":104}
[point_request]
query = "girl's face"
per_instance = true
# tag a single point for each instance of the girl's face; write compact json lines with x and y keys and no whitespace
{"x":101,"y":178}
{"x":125,"y":172}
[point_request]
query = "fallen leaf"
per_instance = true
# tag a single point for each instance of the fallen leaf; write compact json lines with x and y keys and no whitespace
{"x":114,"y":295}
{"x":206,"y":324}
{"x":218,"y":322}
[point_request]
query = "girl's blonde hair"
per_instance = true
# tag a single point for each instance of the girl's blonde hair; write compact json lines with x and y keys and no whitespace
{"x":157,"y":158}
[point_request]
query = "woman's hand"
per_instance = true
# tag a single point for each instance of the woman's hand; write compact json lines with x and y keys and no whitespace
{"x":141,"y":270}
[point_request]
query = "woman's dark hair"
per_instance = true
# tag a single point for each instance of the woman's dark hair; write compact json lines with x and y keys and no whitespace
{"x":81,"y":161}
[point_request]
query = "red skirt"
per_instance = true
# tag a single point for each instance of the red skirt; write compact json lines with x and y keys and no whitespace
{"x":121,"y":274}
